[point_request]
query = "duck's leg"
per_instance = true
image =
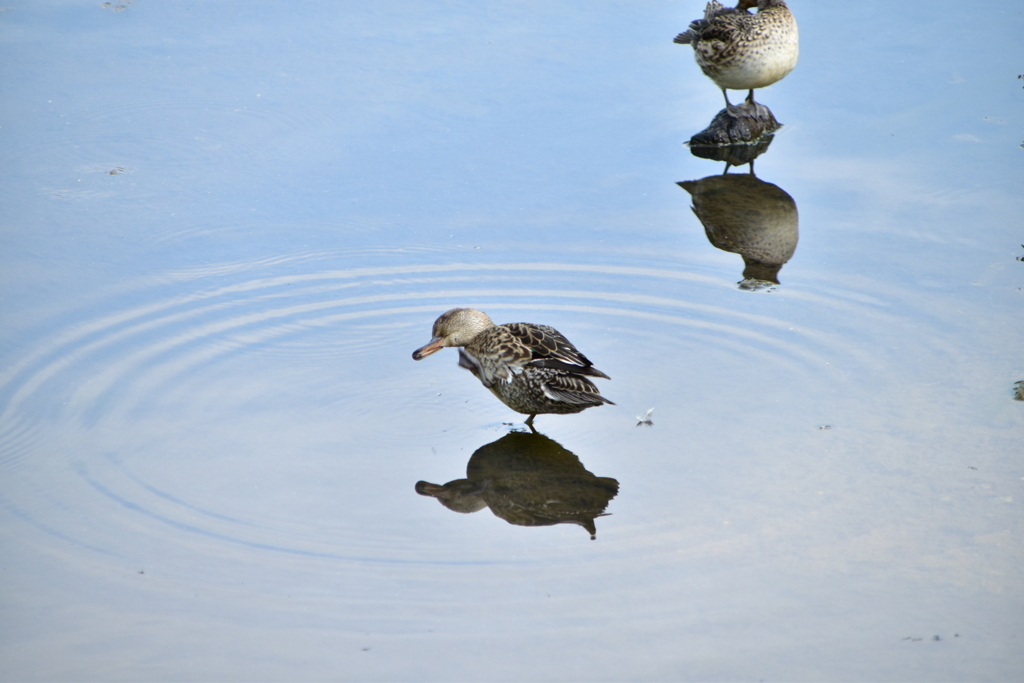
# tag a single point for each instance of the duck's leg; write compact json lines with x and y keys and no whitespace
{"x":529,"y":420}
{"x":758,"y":111}
{"x":730,"y":108}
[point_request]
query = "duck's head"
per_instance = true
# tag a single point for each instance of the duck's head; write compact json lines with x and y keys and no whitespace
{"x":457,"y":327}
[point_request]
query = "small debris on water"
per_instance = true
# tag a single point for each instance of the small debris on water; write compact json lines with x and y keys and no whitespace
{"x":825,"y":427}
{"x":934,"y":638}
{"x":117,"y":6}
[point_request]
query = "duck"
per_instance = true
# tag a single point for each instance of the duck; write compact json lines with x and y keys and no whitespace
{"x":743,"y":51}
{"x":532,"y":369}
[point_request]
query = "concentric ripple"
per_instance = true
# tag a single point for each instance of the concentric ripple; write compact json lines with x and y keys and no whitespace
{"x":271,"y":407}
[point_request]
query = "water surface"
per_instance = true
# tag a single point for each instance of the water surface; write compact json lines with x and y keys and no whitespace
{"x":228,"y":225}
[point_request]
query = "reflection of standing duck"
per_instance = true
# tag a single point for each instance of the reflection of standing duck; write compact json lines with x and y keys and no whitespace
{"x":527,"y":480}
{"x":747,"y":216}
{"x":743,"y":51}
{"x":533,"y":369}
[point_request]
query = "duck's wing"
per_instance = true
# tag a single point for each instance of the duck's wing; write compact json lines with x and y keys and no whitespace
{"x":573,"y":389}
{"x":495,"y":355}
{"x":731,"y":26}
{"x":549,"y":348}
{"x":713,"y":13}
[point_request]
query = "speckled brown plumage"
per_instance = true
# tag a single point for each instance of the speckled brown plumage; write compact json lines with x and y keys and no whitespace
{"x":533,"y":369}
{"x":743,"y":51}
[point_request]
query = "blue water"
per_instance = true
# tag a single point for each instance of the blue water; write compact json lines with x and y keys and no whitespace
{"x":226,"y":226}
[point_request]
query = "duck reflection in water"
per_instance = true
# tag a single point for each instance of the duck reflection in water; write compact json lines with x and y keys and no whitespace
{"x":747,"y":216}
{"x":527,"y":479}
{"x":532,"y":369}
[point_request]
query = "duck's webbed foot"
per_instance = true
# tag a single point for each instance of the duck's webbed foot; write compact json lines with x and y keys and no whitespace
{"x":745,"y":109}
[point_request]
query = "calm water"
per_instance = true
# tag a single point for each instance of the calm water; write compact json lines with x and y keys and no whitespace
{"x":226,"y":227}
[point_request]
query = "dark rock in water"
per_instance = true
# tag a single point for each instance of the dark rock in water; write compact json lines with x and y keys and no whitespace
{"x":738,"y":124}
{"x":733,"y":155}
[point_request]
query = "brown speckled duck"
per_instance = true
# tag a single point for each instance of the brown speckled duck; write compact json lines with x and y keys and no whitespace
{"x":743,"y":51}
{"x":533,"y":369}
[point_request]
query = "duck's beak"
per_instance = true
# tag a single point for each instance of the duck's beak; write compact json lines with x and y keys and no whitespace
{"x":424,"y":351}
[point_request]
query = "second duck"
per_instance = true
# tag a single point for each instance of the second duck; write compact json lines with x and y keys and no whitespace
{"x":743,"y":51}
{"x":533,"y":369}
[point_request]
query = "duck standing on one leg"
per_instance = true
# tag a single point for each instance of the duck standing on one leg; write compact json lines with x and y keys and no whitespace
{"x":743,"y":51}
{"x":533,"y":369}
